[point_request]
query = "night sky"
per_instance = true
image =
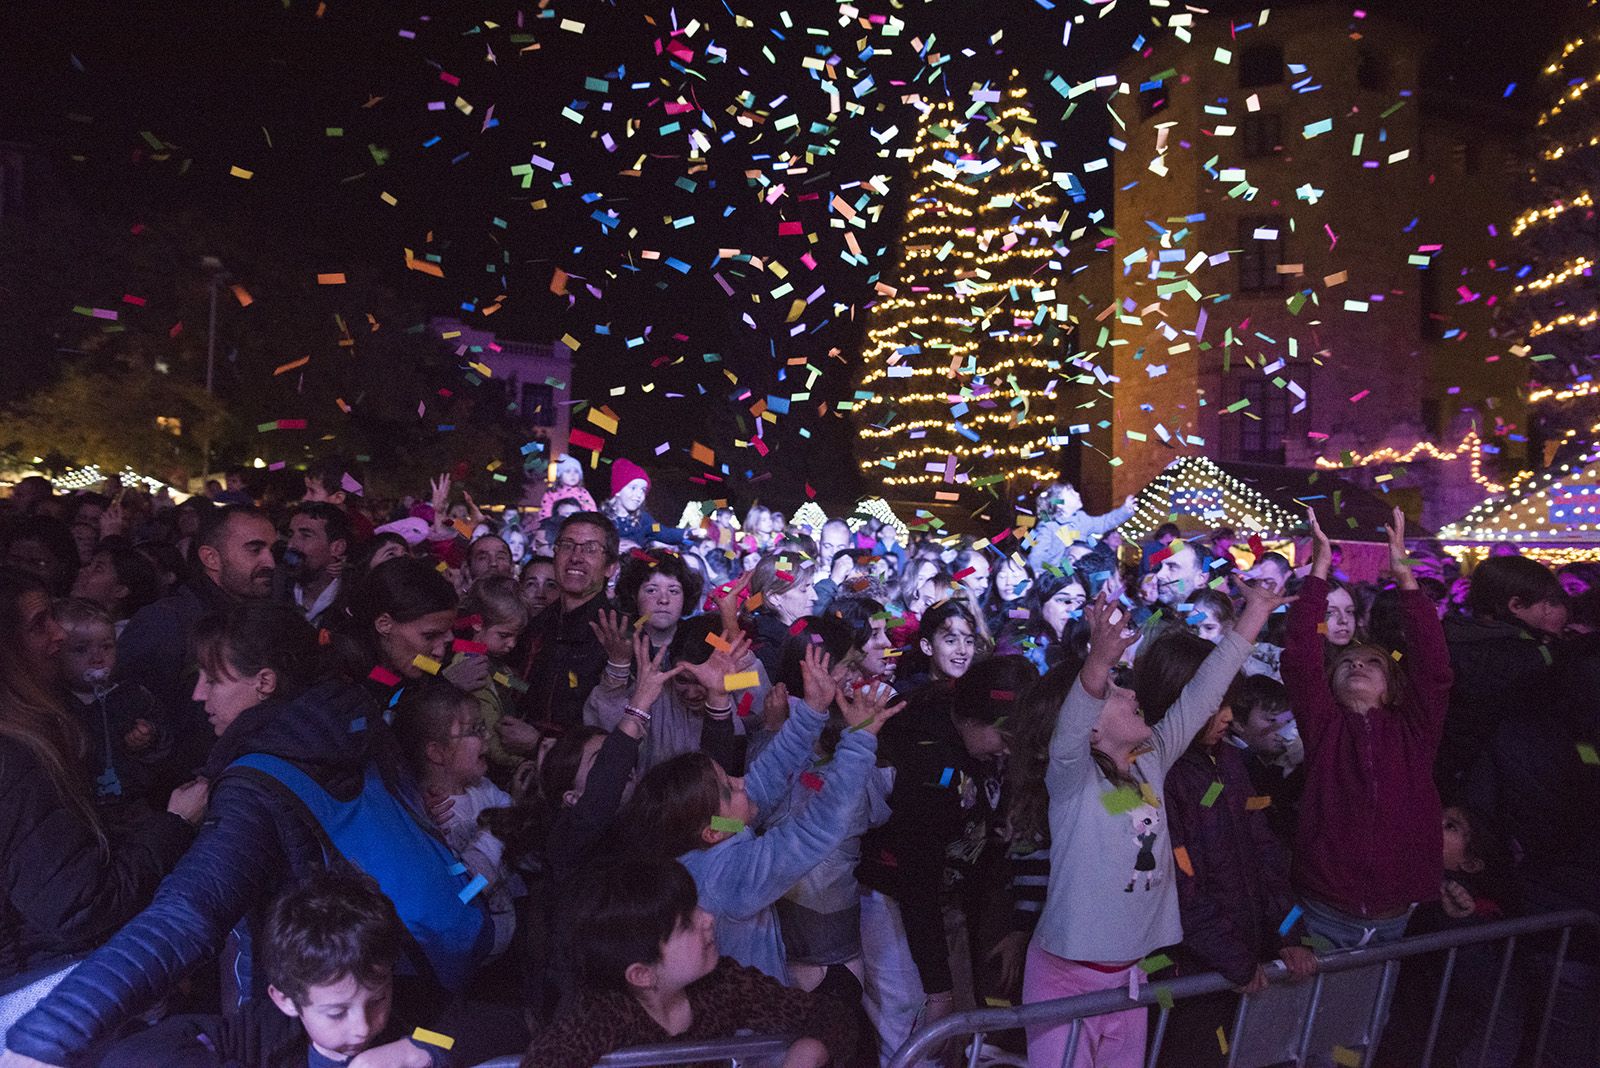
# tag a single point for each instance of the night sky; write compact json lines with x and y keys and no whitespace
{"x":256,"y":84}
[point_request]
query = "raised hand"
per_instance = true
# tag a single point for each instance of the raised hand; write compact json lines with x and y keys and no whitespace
{"x":726,"y":600}
{"x":1321,"y":548}
{"x":651,"y":679}
{"x":475,"y":514}
{"x":441,"y":494}
{"x":1399,"y":562}
{"x":615,"y":633}
{"x":113,"y":520}
{"x":816,"y":673}
{"x":734,"y":657}
{"x":1259,"y":603}
{"x":1109,"y":633}
{"x":868,"y":707}
{"x":775,"y":707}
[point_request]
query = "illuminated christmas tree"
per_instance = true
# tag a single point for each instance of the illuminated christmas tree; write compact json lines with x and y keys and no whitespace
{"x":963,"y":356}
{"x":1556,"y":304}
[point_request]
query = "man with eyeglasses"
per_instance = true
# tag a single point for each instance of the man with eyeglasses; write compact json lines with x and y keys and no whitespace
{"x":564,"y":656}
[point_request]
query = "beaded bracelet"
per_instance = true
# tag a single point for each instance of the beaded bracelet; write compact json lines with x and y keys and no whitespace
{"x":637,"y":713}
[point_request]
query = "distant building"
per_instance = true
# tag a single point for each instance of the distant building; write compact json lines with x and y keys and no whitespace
{"x":537,"y":377}
{"x":1225,"y":154}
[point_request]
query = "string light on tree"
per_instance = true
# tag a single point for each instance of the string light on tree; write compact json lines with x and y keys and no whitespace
{"x":963,"y":357}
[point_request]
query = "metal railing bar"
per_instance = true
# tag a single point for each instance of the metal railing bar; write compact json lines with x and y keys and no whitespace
{"x":1438,"y":1008}
{"x":1494,"y":1005}
{"x":977,"y":1048}
{"x":1050,"y":1013}
{"x":1550,"y":997}
{"x":1304,"y":1047}
{"x":1160,"y":1036}
{"x":1233,"y":1032}
{"x":1380,"y":1012}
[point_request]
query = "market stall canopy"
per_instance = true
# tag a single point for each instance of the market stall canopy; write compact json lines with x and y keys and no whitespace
{"x":1553,"y":516}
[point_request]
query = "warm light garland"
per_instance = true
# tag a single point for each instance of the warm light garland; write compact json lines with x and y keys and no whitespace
{"x":1199,"y":479}
{"x":1471,"y":446}
{"x":1564,"y":393}
{"x":965,"y":324}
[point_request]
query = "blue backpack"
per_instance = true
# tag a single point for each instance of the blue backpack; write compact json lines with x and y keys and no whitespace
{"x":437,"y":900}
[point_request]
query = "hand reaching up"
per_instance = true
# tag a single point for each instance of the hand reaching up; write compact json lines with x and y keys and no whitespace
{"x":615,"y":633}
{"x":731,"y":658}
{"x":1259,"y":603}
{"x":816,"y":673}
{"x":869,"y":706}
{"x":1321,"y":548}
{"x":1109,"y":637}
{"x":1399,"y":562}
{"x":650,"y":678}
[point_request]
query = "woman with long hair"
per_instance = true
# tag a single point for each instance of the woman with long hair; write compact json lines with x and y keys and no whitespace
{"x":67,"y":885}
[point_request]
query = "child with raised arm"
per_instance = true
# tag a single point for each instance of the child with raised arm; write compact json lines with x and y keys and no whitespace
{"x":1368,"y":845}
{"x":1112,"y":897}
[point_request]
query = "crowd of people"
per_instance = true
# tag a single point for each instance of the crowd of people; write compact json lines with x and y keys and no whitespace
{"x":315,"y":779}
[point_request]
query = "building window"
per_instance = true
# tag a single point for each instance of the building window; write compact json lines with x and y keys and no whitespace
{"x":1261,"y":439}
{"x":1263,"y":134}
{"x":1261,"y":64}
{"x":538,"y":403}
{"x":1261,"y":242}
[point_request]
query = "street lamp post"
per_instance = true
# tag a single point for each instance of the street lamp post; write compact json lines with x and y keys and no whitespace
{"x":218,"y":275}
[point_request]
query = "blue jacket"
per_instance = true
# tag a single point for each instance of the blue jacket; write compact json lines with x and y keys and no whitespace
{"x":642,"y":529}
{"x":251,"y":846}
{"x":742,"y":877}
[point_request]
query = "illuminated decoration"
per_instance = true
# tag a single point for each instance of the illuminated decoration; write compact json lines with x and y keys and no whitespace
{"x":87,"y":477}
{"x":1195,"y":486}
{"x":1471,"y":446}
{"x":876,"y":508}
{"x":1573,"y":392}
{"x":695,"y":513}
{"x":1553,"y":305}
{"x":1558,"y":508}
{"x":809,"y":514}
{"x":971,"y":338}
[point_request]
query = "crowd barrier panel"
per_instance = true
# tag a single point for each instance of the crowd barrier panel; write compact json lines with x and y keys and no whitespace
{"x":1344,"y":1007}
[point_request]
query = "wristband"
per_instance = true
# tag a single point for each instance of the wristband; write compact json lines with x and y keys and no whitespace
{"x":720,"y":713}
{"x":637,"y":713}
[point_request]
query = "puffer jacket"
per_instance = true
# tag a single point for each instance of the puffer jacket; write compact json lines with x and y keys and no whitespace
{"x":1502,"y":672}
{"x":61,"y":894}
{"x":251,"y":846}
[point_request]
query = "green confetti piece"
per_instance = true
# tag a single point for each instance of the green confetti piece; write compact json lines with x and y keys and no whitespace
{"x":1122,"y":799}
{"x":1587,"y":754}
{"x":1163,"y":997}
{"x":1152,"y":964}
{"x":724,"y":824}
{"x":1213,"y":792}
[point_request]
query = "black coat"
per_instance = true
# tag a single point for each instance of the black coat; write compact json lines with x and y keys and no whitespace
{"x":251,"y":847}
{"x":1502,"y":672}
{"x":63,"y":895}
{"x":563,"y":661}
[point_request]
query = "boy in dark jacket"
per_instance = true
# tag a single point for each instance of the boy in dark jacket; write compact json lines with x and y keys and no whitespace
{"x":329,"y":951}
{"x":1233,"y":889}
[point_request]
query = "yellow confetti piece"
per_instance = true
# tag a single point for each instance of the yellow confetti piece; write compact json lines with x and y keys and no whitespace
{"x":334,"y":278}
{"x":572,"y":680}
{"x":433,"y":1038}
{"x":1256,"y":804}
{"x":1222,"y":1041}
{"x":1148,"y":792}
{"x":1347,"y":1057}
{"x":240,"y":172}
{"x":741,"y":680}
{"x":602,"y":420}
{"x":426,"y":663}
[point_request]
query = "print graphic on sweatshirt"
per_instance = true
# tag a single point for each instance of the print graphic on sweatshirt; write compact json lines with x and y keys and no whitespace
{"x":1144,"y":826}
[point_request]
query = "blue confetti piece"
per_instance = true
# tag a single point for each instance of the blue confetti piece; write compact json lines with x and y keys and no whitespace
{"x":472,"y":889}
{"x":358,"y":724}
{"x":458,"y":868}
{"x":945,"y":779}
{"x":1288,"y":921}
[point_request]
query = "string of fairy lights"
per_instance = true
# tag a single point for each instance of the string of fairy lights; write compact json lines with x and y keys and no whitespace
{"x":1196,"y":486}
{"x":956,"y":359}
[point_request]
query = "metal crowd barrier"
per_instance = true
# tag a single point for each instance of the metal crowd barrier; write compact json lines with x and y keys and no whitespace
{"x":744,"y":1048}
{"x":1350,"y":994}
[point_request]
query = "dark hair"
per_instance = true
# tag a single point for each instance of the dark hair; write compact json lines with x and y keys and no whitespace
{"x":425,"y":713}
{"x":559,"y":770}
{"x":1217,"y":602}
{"x":1164,"y":668}
{"x":1032,"y":728}
{"x":640,"y":565}
{"x":31,"y":712}
{"x":1166,"y":529}
{"x":405,"y":589}
{"x":837,"y":640}
{"x":992,"y":690}
{"x":254,"y":636}
{"x":135,"y":571}
{"x":672,"y":806}
{"x":940,"y":614}
{"x":56,"y":538}
{"x":1277,"y":559}
{"x":689,"y":644}
{"x":607,"y":528}
{"x":623,"y":913}
{"x":857,"y":613}
{"x":1250,"y":694}
{"x":335,"y":524}
{"x":335,"y":924}
{"x":1484,"y":841}
{"x":214,"y":523}
{"x":1501,"y":579}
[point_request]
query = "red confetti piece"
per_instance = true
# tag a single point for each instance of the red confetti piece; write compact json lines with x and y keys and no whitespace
{"x":746,"y":702}
{"x":383,"y":676}
{"x":798,"y":625}
{"x":811,"y":781}
{"x":461,"y":645}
